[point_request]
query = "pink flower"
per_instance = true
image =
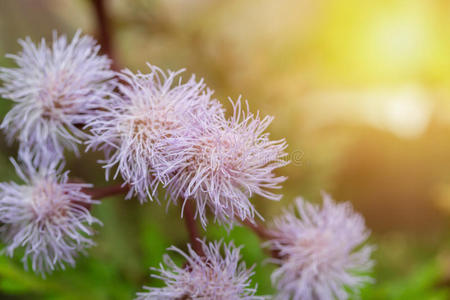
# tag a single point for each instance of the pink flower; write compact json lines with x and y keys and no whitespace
{"x":47,"y":216}
{"x":135,"y":126}
{"x":55,"y":89}
{"x":214,"y":276}
{"x":221,"y":163}
{"x":321,"y":252}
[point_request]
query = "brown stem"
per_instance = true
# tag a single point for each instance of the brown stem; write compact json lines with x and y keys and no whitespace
{"x":97,"y":193}
{"x":258,"y":229}
{"x":104,"y":30}
{"x":263,"y":233}
{"x":102,"y":192}
{"x":191,"y":226}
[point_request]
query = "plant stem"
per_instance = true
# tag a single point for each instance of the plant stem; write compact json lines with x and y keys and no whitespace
{"x":104,"y":30}
{"x":258,"y":229}
{"x":102,"y":192}
{"x":263,"y":233}
{"x":187,"y":208}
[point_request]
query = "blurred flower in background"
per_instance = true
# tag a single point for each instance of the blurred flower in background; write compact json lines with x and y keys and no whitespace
{"x":320,"y":252}
{"x":207,"y":276}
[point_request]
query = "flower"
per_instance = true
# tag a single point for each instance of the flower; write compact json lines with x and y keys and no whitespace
{"x":135,"y":127}
{"x":208,"y":277}
{"x":47,"y":216}
{"x":55,"y":88}
{"x":223,"y":162}
{"x":321,"y":254}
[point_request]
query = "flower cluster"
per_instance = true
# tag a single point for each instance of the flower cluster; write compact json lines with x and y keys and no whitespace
{"x":47,"y":215}
{"x":135,"y":126}
{"x":320,"y":252}
{"x":223,"y":162}
{"x":55,"y":89}
{"x":210,"y":276}
{"x":158,"y":131}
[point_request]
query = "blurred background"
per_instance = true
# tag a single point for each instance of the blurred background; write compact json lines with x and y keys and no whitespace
{"x":360,"y":90}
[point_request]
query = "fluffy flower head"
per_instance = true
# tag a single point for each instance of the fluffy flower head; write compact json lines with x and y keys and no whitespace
{"x":47,"y":216}
{"x":321,"y":252}
{"x":55,"y":88}
{"x":136,"y":126}
{"x":224,"y":162}
{"x":212,"y":277}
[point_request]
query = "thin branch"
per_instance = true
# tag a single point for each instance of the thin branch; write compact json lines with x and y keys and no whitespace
{"x":191,"y":226}
{"x":104,"y":30}
{"x":258,"y":229}
{"x":98,"y":193}
{"x":103,"y":192}
{"x":262,"y":232}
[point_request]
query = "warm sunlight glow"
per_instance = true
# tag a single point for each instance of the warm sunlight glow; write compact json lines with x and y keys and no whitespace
{"x":397,"y":41}
{"x":407,"y":113}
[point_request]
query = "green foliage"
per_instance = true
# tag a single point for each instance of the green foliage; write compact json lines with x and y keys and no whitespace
{"x":423,"y":283}
{"x":116,"y":269}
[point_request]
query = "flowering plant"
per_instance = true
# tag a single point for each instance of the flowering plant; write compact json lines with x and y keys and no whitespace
{"x":164,"y":139}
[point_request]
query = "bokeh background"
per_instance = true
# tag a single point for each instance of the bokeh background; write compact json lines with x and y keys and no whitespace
{"x":360,"y":90}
